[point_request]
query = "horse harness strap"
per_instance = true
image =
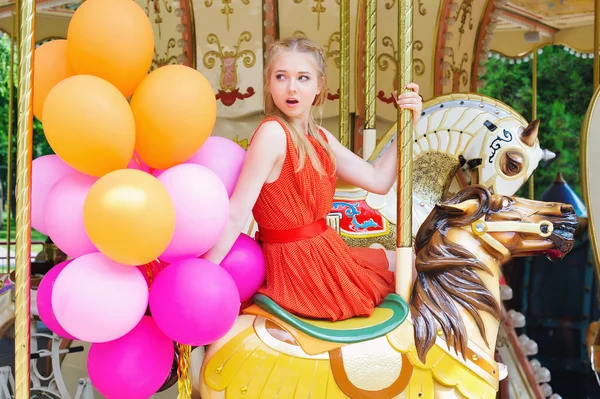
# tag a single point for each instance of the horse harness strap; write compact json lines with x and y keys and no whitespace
{"x":481,"y":229}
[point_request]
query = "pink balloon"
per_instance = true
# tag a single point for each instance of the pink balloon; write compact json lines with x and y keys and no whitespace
{"x":194,"y":302}
{"x":99,"y":300}
{"x":245,"y":263}
{"x":44,"y":301}
{"x":64,"y":215}
{"x":201,"y":210}
{"x":45,"y":172}
{"x":224,"y":157}
{"x":133,"y":366}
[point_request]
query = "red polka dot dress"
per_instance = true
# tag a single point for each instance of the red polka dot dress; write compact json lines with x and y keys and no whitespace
{"x":317,"y":276}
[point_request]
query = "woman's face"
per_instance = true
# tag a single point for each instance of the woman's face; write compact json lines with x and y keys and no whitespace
{"x":294,"y":84}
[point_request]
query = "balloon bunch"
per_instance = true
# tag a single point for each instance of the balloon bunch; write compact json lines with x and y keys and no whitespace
{"x":137,"y":192}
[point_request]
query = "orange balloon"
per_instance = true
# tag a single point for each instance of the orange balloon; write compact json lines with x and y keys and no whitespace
{"x":111,"y":39}
{"x":89,"y":124}
{"x":129,"y":216}
{"x":175,"y":111}
{"x":51,"y":66}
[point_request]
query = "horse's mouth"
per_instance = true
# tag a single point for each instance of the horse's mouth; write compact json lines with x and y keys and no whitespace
{"x":563,"y":238}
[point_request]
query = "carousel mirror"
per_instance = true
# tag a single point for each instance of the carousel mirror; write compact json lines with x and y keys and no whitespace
{"x":590,"y":169}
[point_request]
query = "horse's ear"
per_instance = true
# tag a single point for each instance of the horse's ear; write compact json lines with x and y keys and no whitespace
{"x":530,"y":133}
{"x":460,"y":209}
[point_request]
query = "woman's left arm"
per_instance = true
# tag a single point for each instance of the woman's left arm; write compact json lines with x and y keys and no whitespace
{"x":379,"y":176}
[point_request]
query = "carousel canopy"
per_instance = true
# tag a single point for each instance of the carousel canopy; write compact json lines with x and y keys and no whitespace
{"x":524,"y":25}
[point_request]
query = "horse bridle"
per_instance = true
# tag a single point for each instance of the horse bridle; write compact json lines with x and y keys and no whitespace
{"x":481,"y":228}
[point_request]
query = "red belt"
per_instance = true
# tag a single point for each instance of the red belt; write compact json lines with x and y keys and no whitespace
{"x":299,"y":233}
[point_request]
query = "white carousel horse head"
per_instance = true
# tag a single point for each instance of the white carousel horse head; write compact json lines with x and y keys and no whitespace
{"x":496,"y":144}
{"x":443,"y":348}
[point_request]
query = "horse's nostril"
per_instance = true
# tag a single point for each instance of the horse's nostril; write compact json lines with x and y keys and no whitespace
{"x":567,"y":209}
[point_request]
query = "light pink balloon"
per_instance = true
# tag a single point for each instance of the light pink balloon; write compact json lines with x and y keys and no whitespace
{"x":44,"y":300}
{"x":201,"y":210}
{"x":98,"y":300}
{"x":224,"y":157}
{"x":45,"y":172}
{"x":64,"y":215}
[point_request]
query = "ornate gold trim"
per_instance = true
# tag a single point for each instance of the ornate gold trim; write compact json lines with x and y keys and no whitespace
{"x":585,"y":132}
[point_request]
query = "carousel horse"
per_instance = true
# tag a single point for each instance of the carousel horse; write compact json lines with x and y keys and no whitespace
{"x":443,"y":348}
{"x":490,"y":140}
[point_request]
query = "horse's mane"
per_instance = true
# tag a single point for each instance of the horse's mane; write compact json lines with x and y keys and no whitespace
{"x":446,"y":275}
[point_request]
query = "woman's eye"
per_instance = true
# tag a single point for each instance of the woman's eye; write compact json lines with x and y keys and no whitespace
{"x":512,"y":167}
{"x":279,"y":77}
{"x":304,"y":78}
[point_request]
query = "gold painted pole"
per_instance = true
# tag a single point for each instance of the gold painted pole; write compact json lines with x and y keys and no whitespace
{"x":404,"y":233}
{"x":533,"y":115}
{"x":345,"y":73}
{"x":23,"y":199}
{"x":596,"y":43}
{"x":184,"y":382}
{"x":370,"y":75}
{"x":9,"y":163}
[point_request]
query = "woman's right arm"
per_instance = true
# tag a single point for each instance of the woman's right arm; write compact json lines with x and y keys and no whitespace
{"x":267,"y":150}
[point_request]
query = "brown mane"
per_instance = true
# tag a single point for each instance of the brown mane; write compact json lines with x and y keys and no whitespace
{"x":446,"y":275}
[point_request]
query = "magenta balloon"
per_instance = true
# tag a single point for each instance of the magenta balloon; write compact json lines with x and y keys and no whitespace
{"x":201,"y":210}
{"x":224,"y":157}
{"x":133,"y":366}
{"x":64,"y":215}
{"x":194,"y":302}
{"x":97,"y":299}
{"x":45,"y":172}
{"x":44,"y":301}
{"x":245,"y":263}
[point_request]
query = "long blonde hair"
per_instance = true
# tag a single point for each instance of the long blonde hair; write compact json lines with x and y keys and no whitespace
{"x":299,"y":139}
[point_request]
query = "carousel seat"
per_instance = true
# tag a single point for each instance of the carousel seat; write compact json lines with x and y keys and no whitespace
{"x":385,"y":318}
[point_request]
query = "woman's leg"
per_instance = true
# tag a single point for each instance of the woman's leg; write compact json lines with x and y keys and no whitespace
{"x":391,"y":257}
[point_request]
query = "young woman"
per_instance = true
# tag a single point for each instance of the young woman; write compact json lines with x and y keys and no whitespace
{"x":288,"y":181}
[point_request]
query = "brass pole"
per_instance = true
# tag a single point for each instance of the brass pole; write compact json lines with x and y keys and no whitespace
{"x":533,"y":115}
{"x":184,"y":382}
{"x":404,"y":222}
{"x":596,"y":43}
{"x":370,"y":76}
{"x":345,"y":73}
{"x":23,"y":199}
{"x":9,"y":162}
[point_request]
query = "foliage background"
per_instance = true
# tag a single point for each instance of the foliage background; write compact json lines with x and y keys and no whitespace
{"x":565,"y":88}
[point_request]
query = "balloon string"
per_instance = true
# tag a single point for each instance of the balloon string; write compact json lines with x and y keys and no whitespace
{"x":184,"y":382}
{"x":137,"y":160}
{"x":152,"y":269}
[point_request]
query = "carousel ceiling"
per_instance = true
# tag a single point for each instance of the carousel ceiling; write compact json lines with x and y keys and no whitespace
{"x":526,"y":24}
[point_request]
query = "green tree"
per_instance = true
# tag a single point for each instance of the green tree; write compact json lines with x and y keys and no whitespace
{"x":564,"y":91}
{"x":40,"y":145}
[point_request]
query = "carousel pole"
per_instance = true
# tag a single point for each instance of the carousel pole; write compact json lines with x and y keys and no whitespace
{"x":9,"y":168}
{"x":345,"y":73}
{"x":23,"y":199}
{"x":404,"y":253}
{"x":370,"y":75}
{"x":596,"y":43}
{"x":533,"y":114}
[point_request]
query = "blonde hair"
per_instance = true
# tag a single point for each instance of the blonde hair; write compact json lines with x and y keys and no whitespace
{"x":299,"y":139}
